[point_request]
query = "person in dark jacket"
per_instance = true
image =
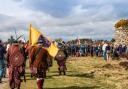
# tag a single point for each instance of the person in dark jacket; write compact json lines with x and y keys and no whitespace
{"x":2,"y":52}
{"x":96,"y":50}
{"x":92,"y":50}
{"x":108,"y":52}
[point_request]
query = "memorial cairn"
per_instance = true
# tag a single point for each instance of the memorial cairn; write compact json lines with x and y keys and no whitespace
{"x":121,"y":32}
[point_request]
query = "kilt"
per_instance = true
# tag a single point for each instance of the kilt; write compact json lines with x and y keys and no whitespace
{"x":38,"y":72}
{"x":14,"y":77}
{"x":61,"y":62}
{"x":41,"y":73}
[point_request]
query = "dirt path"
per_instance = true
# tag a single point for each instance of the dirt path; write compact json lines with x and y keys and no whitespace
{"x":4,"y":82}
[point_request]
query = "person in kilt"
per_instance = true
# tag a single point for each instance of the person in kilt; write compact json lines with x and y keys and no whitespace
{"x":23,"y":49}
{"x":39,"y":63}
{"x":61,"y":57}
{"x":15,"y":63}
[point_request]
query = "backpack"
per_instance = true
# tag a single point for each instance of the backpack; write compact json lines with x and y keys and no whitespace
{"x":17,"y":57}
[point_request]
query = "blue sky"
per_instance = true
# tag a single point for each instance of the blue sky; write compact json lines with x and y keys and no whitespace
{"x":67,"y":19}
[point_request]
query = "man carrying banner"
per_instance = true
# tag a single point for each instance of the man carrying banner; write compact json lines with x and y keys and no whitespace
{"x":38,"y":60}
{"x":41,"y":51}
{"x":35,"y":35}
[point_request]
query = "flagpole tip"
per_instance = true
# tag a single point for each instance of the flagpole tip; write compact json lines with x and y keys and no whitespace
{"x":30,"y":25}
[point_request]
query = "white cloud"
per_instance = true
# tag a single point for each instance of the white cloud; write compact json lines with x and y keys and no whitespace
{"x":85,"y":18}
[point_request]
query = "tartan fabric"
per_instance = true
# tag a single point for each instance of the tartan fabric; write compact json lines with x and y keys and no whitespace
{"x":40,"y":61}
{"x":14,"y":77}
{"x":14,"y":56}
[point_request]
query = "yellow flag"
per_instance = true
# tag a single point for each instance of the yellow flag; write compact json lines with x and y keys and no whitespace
{"x":35,"y":36}
{"x":53,"y":50}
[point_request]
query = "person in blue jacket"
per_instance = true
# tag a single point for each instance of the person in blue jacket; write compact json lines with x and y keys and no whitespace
{"x":2,"y":52}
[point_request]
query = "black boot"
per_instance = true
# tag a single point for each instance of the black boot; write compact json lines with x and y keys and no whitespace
{"x":18,"y":87}
{"x":59,"y":71}
{"x":31,"y":76}
{"x":64,"y":72}
{"x":0,"y":80}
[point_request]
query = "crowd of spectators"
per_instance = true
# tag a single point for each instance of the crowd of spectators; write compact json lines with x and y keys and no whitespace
{"x":106,"y":50}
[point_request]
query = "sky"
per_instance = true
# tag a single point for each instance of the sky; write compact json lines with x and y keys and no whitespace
{"x":66,"y":19}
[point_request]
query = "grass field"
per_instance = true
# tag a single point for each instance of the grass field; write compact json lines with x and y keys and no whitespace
{"x":83,"y":73}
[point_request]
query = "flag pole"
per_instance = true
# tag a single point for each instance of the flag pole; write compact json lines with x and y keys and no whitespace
{"x":15,"y":33}
{"x":30,"y":34}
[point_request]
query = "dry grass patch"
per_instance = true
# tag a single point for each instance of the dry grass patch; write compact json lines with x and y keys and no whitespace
{"x":84,"y":73}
